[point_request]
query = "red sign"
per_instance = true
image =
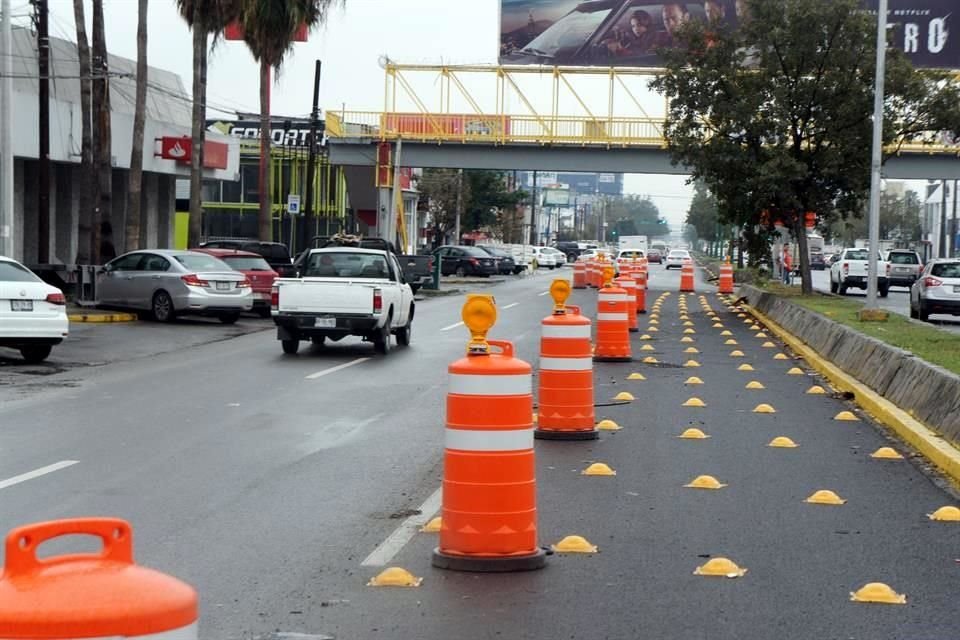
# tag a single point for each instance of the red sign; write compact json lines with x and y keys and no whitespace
{"x":466,"y":125}
{"x":234,"y":31}
{"x":215,"y":154}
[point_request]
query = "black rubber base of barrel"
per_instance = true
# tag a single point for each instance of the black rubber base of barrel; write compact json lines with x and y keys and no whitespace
{"x":531,"y":562}
{"x":634,"y":329}
{"x":549,"y":434}
{"x":612,"y":359}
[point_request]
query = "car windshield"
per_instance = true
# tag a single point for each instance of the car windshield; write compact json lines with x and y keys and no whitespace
{"x":631,"y":254}
{"x":247,"y":263}
{"x":570,"y":31}
{"x":946,"y":270}
{"x":346,"y":264}
{"x":200,"y":262}
{"x":860,"y":254}
{"x":678,"y":254}
{"x":13,"y":272}
{"x":904,"y":258}
{"x":475,"y":252}
{"x":496,"y":252}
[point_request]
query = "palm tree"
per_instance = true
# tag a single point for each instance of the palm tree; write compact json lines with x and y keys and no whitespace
{"x":205,"y":18}
{"x":136,"y":150}
{"x":270,"y":28}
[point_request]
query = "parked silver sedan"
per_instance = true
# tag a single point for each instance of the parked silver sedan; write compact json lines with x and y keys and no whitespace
{"x":169,"y":283}
{"x":937,"y":290}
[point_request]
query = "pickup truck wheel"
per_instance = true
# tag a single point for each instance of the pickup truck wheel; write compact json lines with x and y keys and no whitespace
{"x":842,"y":289}
{"x":290,"y":347}
{"x":35,"y":353}
{"x":913,"y":312}
{"x":381,"y":342}
{"x":833,"y":286}
{"x":404,"y":332}
{"x":884,"y":290}
{"x":923,"y":313}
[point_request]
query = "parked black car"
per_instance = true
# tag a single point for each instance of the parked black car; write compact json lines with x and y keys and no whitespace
{"x":506,"y":265}
{"x":275,"y":253}
{"x":465,"y":261}
{"x":817,"y":262}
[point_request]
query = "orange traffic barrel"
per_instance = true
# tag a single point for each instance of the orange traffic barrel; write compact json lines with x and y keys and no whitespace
{"x":489,"y":512}
{"x":591,"y":266}
{"x":579,"y":275}
{"x":565,"y":391}
{"x":726,"y":277}
{"x":686,"y":276}
{"x":628,"y":284}
{"x":613,"y":333}
{"x":89,"y":595}
{"x":641,"y":290}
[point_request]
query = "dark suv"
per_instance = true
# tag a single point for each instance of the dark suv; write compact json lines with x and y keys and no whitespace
{"x":275,"y":253}
{"x":571,"y":249}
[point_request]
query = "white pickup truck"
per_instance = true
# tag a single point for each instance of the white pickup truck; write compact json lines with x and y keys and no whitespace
{"x":849,"y":269}
{"x":343,"y":291}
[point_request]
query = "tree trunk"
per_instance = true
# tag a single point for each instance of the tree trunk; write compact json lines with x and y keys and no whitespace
{"x":800,"y":231}
{"x":265,"y":216}
{"x":195,"y":228}
{"x":136,"y":152}
{"x":87,"y":183}
{"x":102,"y":230}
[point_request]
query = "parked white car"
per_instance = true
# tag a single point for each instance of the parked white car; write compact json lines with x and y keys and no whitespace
{"x":937,"y":290}
{"x":560,"y":256}
{"x":543,"y":257}
{"x":33,"y":314}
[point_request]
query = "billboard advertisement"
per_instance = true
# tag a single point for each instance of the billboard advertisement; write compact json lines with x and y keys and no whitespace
{"x":627,"y":33}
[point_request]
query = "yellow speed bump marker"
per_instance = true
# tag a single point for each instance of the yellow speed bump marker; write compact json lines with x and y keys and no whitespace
{"x":648,"y":347}
{"x":720,"y":568}
{"x":780,"y":356}
{"x":825,"y":496}
{"x":650,"y":360}
{"x":704,"y":482}
{"x":574,"y":544}
{"x":730,"y":342}
{"x":816,"y":390}
{"x":688,"y":331}
{"x":760,"y":334}
{"x":395,"y":577}
{"x":693,"y":434}
{"x":653,"y":321}
{"x":433,"y":526}
{"x":886,"y":453}
{"x":753,"y":384}
{"x":741,"y":315}
{"x":782,"y":442}
{"x":598,"y":469}
{"x":688,"y":323}
{"x":636,"y":376}
{"x":768,"y":345}
{"x":693,"y":380}
{"x":608,"y":425}
{"x":691,"y":350}
{"x":646,"y":336}
{"x":764,"y":408}
{"x":686,"y":339}
{"x":717,"y":325}
{"x":745,"y":367}
{"x":795,"y":371}
{"x":691,"y":363}
{"x":945,"y":514}
{"x":726,"y":332}
{"x":877,"y":593}
{"x":653,"y":330}
{"x":694,"y":402}
{"x":846,"y":416}
{"x":736,"y":353}
{"x":624,"y":396}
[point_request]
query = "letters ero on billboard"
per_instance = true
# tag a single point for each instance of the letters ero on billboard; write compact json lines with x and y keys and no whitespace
{"x":627,"y":33}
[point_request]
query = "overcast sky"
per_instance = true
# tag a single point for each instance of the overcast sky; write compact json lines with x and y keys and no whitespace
{"x":409,"y":31}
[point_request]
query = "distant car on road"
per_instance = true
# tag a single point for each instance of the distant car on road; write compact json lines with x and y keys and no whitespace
{"x":676,"y":257}
{"x":544,"y":258}
{"x":937,"y":290}
{"x":465,"y":261}
{"x":850,"y":270}
{"x":559,"y":257}
{"x":258,"y":272}
{"x":169,"y":283}
{"x":817,"y":262}
{"x":905,"y":267}
{"x":654,"y":255}
{"x":33,"y":314}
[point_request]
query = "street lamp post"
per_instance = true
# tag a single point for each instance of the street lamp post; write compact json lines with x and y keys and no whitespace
{"x":875,"y":161}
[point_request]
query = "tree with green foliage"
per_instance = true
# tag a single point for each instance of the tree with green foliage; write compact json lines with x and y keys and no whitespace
{"x":634,"y":215}
{"x":775,"y":116}
{"x":702,"y":214}
{"x":486,"y":199}
{"x":489,"y":196}
{"x":899,"y":221}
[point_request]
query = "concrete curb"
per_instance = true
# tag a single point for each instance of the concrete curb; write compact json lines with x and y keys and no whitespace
{"x":929,"y":443}
{"x":102,"y":317}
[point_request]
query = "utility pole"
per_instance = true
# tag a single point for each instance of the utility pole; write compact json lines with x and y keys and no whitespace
{"x":312,"y":151}
{"x":6,"y":131}
{"x":533,"y":211}
{"x":876,"y":158}
{"x":942,"y":248}
{"x":456,"y":223}
{"x":43,"y":171}
{"x":953,"y":226}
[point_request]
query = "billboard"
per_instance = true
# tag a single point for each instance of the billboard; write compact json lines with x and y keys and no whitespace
{"x":627,"y":33}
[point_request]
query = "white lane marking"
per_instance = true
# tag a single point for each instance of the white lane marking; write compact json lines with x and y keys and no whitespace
{"x":544,"y":293}
{"x":36,"y":473}
{"x":511,"y":305}
{"x":320,"y":374}
{"x":452,"y":326}
{"x":390,"y":547}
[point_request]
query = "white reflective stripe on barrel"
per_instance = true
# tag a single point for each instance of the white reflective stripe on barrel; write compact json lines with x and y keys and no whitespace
{"x":489,"y":439}
{"x":188,"y":632}
{"x":612,"y":316}
{"x":566,"y":364}
{"x":613,"y":297}
{"x":566,"y":331}
{"x":496,"y":385}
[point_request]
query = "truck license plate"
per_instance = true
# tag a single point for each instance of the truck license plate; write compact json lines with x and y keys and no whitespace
{"x":21,"y":305}
{"x":325,"y":323}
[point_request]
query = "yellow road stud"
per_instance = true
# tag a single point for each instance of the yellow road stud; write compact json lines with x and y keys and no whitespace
{"x":433,"y":526}
{"x":624,"y":396}
{"x":686,"y":339}
{"x":753,"y":384}
{"x":646,"y":336}
{"x":768,"y":345}
{"x":825,"y":496}
{"x":598,"y":469}
{"x":694,"y":402}
{"x":796,"y":371}
{"x":395,"y":577}
{"x":693,"y":434}
{"x":688,"y":331}
{"x":946,"y":514}
{"x":688,"y":323}
{"x":877,"y":593}
{"x":764,"y":408}
{"x":717,"y":325}
{"x":816,"y":390}
{"x":650,"y":360}
{"x":704,"y":482}
{"x":691,"y":350}
{"x":608,"y":425}
{"x":720,"y":568}
{"x":654,"y":321}
{"x":760,"y":334}
{"x":736,"y":353}
{"x":574,"y":544}
{"x":782,"y":442}
{"x":748,"y":321}
{"x":693,"y":380}
{"x":886,"y":453}
{"x":745,"y":367}
{"x":741,"y":315}
{"x":726,"y":332}
{"x":691,"y":363}
{"x":846,"y":416}
{"x":780,"y":356}
{"x":648,"y":347}
{"x":636,"y":376}
{"x":730,"y":341}
{"x":653,"y":329}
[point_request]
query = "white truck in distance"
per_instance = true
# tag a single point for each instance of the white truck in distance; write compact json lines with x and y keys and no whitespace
{"x":343,"y":291}
{"x":637,"y":243}
{"x":850,"y":270}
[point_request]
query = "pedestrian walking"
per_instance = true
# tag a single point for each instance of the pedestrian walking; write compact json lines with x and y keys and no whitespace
{"x":787,"y":263}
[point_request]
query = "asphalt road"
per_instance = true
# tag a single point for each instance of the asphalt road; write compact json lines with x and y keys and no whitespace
{"x":897,"y":301}
{"x":264,"y":480}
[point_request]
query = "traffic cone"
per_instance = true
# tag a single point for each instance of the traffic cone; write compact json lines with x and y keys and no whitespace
{"x":89,"y":595}
{"x":629,"y":285}
{"x":641,"y":298}
{"x":579,"y":274}
{"x":489,"y":512}
{"x":565,"y":392}
{"x":613,"y":333}
{"x":726,"y":277}
{"x":686,"y":276}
